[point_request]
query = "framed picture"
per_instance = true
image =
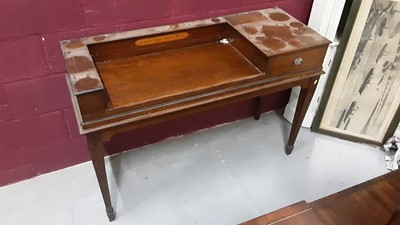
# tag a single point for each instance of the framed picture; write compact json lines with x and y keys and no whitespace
{"x":362,"y":101}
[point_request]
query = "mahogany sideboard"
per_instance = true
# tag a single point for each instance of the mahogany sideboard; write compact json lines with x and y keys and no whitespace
{"x":122,"y":81}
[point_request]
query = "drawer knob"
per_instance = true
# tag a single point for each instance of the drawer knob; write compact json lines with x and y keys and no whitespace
{"x":298,"y":61}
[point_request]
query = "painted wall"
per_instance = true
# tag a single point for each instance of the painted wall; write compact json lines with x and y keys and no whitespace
{"x":38,"y":133}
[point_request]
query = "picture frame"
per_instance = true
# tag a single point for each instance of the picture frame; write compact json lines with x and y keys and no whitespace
{"x":361,"y":100}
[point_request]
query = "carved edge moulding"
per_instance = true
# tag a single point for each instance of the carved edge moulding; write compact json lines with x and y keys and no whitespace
{"x":361,"y":101}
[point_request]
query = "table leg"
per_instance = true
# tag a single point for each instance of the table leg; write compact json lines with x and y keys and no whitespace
{"x":257,"y":109}
{"x":303,"y":102}
{"x":97,"y":153}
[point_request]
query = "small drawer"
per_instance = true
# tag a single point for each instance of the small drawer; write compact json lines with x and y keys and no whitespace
{"x":296,"y":61}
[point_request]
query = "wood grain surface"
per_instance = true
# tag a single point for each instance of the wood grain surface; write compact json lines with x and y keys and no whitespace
{"x":139,"y":79}
{"x":297,"y":214}
{"x":369,"y":203}
{"x":375,"y":202}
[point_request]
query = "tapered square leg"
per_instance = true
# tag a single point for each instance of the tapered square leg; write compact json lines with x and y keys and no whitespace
{"x":110,"y":213}
{"x":303,"y":102}
{"x":97,"y":153}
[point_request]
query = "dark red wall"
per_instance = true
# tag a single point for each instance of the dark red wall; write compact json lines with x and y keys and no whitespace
{"x":38,"y":133}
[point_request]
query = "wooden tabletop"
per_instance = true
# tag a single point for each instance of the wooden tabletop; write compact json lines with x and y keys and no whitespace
{"x":273,"y":31}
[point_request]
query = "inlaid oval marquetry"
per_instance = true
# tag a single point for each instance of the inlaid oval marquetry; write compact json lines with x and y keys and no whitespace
{"x":162,"y":39}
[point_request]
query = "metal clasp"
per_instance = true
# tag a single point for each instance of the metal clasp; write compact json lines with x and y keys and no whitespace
{"x":225,"y":41}
{"x":298,"y":61}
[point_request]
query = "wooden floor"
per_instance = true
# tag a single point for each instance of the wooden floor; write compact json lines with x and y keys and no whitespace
{"x":369,"y":203}
{"x":296,"y":214}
